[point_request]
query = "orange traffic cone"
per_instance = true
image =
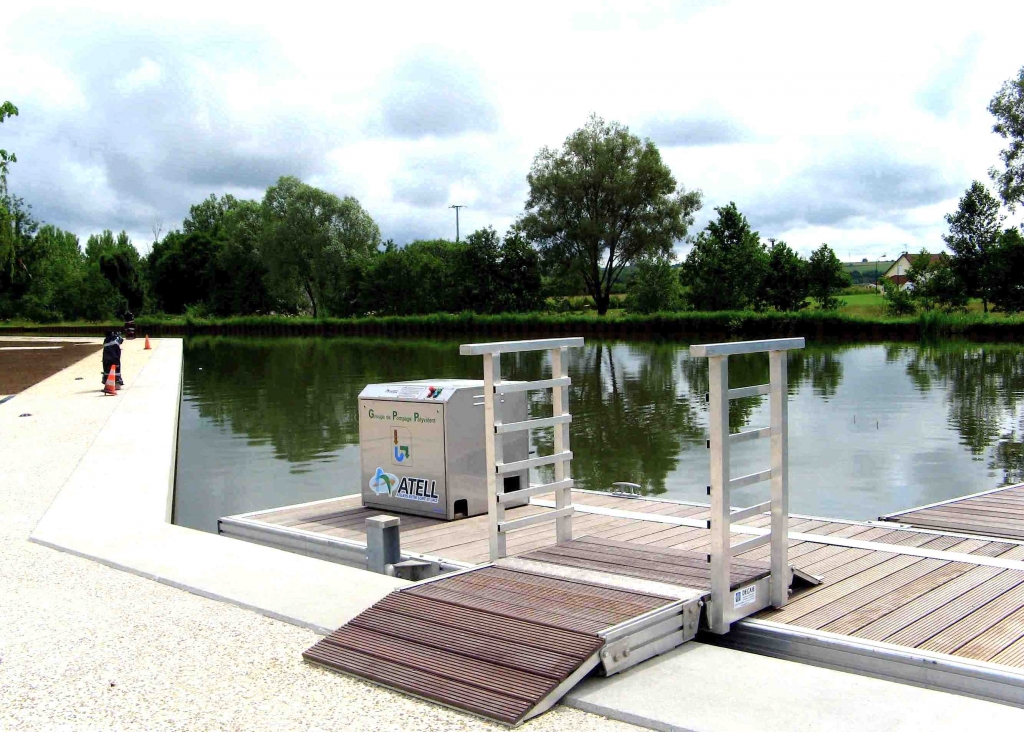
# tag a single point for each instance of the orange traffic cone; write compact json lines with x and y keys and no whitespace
{"x":111,"y":386}
{"x":148,"y":347}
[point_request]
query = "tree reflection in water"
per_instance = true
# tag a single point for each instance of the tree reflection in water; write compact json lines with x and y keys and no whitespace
{"x":300,"y":394}
{"x":983,"y":386}
{"x":638,"y":407}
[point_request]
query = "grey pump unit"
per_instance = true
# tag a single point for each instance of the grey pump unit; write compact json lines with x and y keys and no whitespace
{"x":422,"y":447}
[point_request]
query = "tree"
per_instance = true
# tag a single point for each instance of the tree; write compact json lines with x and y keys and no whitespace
{"x":208,"y":216}
{"x":973,"y":230}
{"x":785,"y":285}
{"x":54,"y":291}
{"x":479,"y":272}
{"x":602,"y":201}
{"x":1007,"y":106}
{"x":654,"y":287}
{"x":6,"y":158}
{"x":1006,"y":287}
{"x":935,"y":283}
{"x":521,"y":286}
{"x":497,"y":276}
{"x":119,"y":263}
{"x":422,"y":277}
{"x":241,"y":275}
{"x":308,"y":237}
{"x":183,"y":269}
{"x":17,"y":255}
{"x":725,"y":268}
{"x":826,"y":277}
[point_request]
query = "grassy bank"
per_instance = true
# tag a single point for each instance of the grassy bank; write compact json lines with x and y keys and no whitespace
{"x":814,"y":324}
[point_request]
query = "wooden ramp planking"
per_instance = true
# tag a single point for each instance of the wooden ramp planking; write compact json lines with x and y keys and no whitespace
{"x":998,"y":513}
{"x":494,"y":642}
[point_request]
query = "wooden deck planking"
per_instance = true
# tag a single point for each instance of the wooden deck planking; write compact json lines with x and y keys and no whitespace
{"x":958,"y":609}
{"x":835,"y":590}
{"x":893,"y":622}
{"x":996,"y":514}
{"x":894,"y":599}
{"x":976,"y":623}
{"x":1012,"y":655}
{"x":853,"y":600}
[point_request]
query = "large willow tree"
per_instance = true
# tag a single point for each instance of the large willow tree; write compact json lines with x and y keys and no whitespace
{"x":603,"y":201}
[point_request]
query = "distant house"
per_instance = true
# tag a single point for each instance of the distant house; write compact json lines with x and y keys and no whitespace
{"x":897,"y":272}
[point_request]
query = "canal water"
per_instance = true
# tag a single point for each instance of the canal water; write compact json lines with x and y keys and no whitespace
{"x":873,"y":428}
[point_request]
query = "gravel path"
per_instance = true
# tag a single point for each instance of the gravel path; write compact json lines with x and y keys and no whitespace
{"x":86,"y":647}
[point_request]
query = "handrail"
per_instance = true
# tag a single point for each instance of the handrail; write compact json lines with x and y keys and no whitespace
{"x":494,"y":431}
{"x":724,"y":609}
{"x":736,"y":348}
{"x":544,"y":344}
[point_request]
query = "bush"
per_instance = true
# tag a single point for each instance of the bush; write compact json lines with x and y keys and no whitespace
{"x":654,"y":287}
{"x":897,"y":302}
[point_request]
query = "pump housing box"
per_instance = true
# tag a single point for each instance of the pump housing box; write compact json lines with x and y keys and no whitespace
{"x":422,"y":447}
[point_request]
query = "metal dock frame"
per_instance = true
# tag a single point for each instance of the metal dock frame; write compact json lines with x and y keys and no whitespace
{"x":726,"y":605}
{"x":494,"y":429}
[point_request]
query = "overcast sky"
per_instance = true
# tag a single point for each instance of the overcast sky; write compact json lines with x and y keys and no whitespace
{"x":858,"y":127}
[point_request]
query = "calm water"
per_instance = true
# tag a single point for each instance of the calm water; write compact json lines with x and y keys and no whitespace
{"x":873,"y":428}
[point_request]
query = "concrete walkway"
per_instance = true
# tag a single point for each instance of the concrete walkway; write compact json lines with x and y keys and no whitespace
{"x":86,"y":647}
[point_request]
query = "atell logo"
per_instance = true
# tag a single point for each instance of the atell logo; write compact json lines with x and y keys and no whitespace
{"x":411,"y":489}
{"x":417,"y":489}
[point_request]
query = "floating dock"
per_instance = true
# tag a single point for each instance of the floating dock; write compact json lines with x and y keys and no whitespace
{"x":553,"y":583}
{"x":934,"y":607}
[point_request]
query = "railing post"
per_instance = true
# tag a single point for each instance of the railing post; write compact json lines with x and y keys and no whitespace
{"x":779,"y":398}
{"x":494,"y":391}
{"x":718,"y":421}
{"x":560,"y":402}
{"x":492,"y":450}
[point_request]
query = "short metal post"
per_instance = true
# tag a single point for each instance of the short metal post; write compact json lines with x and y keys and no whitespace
{"x":383,"y":544}
{"x":492,"y":450}
{"x":718,"y":422}
{"x":560,"y":403}
{"x":779,"y":397}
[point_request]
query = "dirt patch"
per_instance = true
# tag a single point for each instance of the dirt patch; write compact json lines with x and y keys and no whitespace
{"x":24,"y":363}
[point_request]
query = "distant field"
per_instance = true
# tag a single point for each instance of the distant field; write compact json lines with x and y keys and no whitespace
{"x":866,"y":267}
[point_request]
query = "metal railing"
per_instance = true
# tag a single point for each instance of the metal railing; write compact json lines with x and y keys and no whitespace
{"x":722,"y":610}
{"x":494,"y":388}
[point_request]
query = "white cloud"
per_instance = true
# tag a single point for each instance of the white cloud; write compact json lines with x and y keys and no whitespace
{"x":147,"y":74}
{"x":857,"y":125}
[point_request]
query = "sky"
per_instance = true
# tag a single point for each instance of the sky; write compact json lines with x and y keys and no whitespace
{"x":855,"y":124}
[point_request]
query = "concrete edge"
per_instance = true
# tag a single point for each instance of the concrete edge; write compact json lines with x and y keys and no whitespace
{"x":620,"y":715}
{"x":924,"y":669}
{"x":319,"y":629}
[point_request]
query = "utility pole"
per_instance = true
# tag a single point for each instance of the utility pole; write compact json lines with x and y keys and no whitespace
{"x":457,"y":221}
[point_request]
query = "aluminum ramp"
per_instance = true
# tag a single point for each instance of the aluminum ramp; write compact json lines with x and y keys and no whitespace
{"x":507,"y":640}
{"x":499,"y":643}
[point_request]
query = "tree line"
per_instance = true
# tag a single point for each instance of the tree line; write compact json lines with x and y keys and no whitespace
{"x":985,"y":261}
{"x":601,"y":209}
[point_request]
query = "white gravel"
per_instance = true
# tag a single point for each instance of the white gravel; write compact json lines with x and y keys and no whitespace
{"x":86,"y":647}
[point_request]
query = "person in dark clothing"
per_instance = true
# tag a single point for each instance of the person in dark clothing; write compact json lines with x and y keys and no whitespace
{"x":112,"y":356}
